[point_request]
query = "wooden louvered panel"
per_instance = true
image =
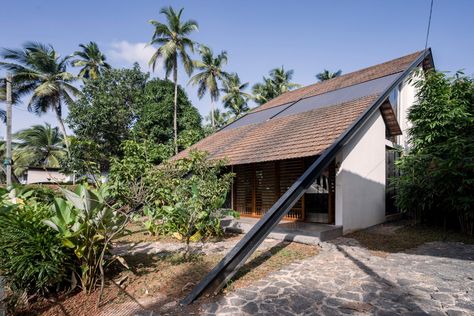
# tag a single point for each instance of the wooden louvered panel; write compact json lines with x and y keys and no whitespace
{"x":264,"y":187}
{"x":258,"y":186}
{"x":243,"y":189}
{"x":289,"y":172}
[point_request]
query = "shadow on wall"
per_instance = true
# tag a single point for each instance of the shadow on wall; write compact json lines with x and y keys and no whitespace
{"x":360,"y":201}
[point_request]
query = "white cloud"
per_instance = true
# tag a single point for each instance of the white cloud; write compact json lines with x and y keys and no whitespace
{"x":127,"y":53}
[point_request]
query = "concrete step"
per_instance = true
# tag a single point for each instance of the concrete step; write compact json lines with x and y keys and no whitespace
{"x":305,"y":233}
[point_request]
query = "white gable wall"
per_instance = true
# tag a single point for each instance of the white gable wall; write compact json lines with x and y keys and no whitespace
{"x":360,"y":178}
{"x":407,"y":97}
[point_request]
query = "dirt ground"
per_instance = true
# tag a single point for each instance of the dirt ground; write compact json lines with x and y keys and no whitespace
{"x":159,"y":281}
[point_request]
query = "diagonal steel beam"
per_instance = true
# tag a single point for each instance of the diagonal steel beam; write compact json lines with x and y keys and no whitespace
{"x":233,"y":261}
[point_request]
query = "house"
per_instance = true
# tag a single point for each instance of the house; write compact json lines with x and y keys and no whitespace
{"x":43,"y":175}
{"x":363,"y":112}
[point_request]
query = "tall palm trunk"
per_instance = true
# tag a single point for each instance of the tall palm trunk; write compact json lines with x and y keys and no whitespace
{"x":175,"y":117}
{"x":62,"y":127}
{"x":213,"y":123}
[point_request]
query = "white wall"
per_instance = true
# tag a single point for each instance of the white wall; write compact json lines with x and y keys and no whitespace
{"x":407,"y":97}
{"x":360,"y":178}
{"x":42,"y":176}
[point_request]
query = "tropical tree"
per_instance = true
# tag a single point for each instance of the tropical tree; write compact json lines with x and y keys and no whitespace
{"x":155,"y":123}
{"x":264,"y":91}
{"x":39,"y":146}
{"x":40,"y":70}
{"x":282,"y":79}
{"x":104,"y":115}
{"x":235,"y":99}
{"x":326,"y":75}
{"x":91,"y":59}
{"x":210,"y":75}
{"x":219,"y":118}
{"x":173,"y":43}
{"x":278,"y":83}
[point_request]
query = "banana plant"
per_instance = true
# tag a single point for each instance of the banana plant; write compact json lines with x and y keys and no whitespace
{"x":86,"y":223}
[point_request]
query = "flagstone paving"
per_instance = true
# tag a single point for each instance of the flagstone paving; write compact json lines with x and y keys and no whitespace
{"x":346,"y":279}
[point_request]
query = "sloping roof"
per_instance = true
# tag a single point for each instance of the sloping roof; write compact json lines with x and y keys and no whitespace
{"x":356,"y":77}
{"x":306,"y":121}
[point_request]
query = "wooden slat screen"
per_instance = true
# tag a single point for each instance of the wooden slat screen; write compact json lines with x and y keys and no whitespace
{"x":243,"y":189}
{"x":290,"y":171}
{"x":258,"y":186}
{"x":264,"y":187}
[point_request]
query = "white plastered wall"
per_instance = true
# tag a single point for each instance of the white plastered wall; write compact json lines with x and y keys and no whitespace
{"x":43,"y":176}
{"x":360,"y":178}
{"x":407,"y":97}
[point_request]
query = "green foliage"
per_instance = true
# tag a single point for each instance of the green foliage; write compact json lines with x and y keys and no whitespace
{"x":155,"y":117}
{"x":278,"y":83}
{"x":39,"y":146}
{"x":326,"y":75}
{"x":86,"y":223}
{"x":85,"y":158}
{"x":131,"y":177}
{"x":92,"y":61}
{"x":38,"y":69}
{"x":32,"y":259}
{"x":106,"y":112}
{"x":235,"y":99}
{"x":189,"y":198}
{"x":437,"y":181}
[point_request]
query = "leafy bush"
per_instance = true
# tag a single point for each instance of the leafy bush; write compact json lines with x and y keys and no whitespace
{"x":86,"y":224}
{"x":437,"y":182}
{"x":190,"y":193}
{"x":32,"y":258}
{"x":130,"y":177}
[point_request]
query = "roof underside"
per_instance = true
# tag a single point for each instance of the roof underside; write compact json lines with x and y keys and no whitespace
{"x":306,"y":121}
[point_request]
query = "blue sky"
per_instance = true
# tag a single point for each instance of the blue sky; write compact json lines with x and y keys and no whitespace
{"x":306,"y":36}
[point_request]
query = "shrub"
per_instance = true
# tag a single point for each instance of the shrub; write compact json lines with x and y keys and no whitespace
{"x":86,"y":224}
{"x":131,"y":177}
{"x":32,"y":258}
{"x":190,"y":193}
{"x":437,"y":181}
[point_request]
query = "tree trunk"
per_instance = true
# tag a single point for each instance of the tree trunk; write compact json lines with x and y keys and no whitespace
{"x":175,"y":116}
{"x":213,"y":123}
{"x":62,"y":128}
{"x":8,"y":143}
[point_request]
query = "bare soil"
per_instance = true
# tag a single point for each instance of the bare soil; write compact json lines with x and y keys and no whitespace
{"x":159,"y":281}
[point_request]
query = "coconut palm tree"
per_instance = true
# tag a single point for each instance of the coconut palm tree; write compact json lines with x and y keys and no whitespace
{"x":235,"y":99}
{"x":173,"y":43}
{"x":278,"y":83}
{"x":264,"y":92}
{"x":326,"y":75}
{"x":282,"y":80}
{"x":92,"y":61}
{"x":39,"y":146}
{"x":218,"y":117}
{"x":210,"y":74}
{"x":38,"y":69}
{"x":18,"y":90}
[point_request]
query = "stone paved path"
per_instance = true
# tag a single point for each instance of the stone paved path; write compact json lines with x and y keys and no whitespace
{"x":434,"y":279}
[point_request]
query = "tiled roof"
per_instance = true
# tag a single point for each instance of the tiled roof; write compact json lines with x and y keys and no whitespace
{"x":359,"y":76}
{"x":311,"y":120}
{"x":299,"y":135}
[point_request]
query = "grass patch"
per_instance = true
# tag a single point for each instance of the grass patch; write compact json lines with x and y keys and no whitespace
{"x":405,"y":237}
